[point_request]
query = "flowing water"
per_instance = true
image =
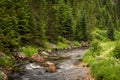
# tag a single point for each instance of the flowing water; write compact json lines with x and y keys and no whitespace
{"x":67,"y":70}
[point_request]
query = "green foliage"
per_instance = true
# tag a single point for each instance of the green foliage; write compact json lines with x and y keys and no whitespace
{"x":100,"y":35}
{"x":95,"y":46}
{"x":35,"y":22}
{"x":117,"y":35}
{"x":62,"y":46}
{"x":89,"y":57}
{"x":76,"y":43}
{"x":116,"y":51}
{"x":105,"y":70}
{"x":110,"y":31}
{"x":81,"y":29}
{"x":104,"y":66}
{"x":62,"y":43}
{"x":29,"y":50}
{"x":1,"y":78}
{"x":7,"y":61}
{"x":14,"y":23}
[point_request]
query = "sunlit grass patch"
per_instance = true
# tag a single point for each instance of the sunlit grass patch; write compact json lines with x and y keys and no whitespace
{"x":104,"y":66}
{"x":29,"y":50}
{"x":76,"y":43}
{"x":61,"y":45}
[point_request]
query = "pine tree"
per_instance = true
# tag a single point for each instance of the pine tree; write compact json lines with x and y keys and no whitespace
{"x":81,"y":29}
{"x":68,"y":29}
{"x":110,"y":31}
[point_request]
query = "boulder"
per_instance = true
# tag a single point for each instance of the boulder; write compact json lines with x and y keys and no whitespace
{"x":84,"y":44}
{"x":81,"y":64}
{"x":2,"y":54}
{"x":52,"y":67}
{"x":49,"y":51}
{"x":21,"y":55}
{"x":3,"y":76}
{"x":87,"y":44}
{"x":44,"y":53}
{"x":37,"y":58}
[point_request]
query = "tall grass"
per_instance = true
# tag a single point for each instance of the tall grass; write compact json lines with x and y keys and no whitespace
{"x":29,"y":50}
{"x":104,"y":66}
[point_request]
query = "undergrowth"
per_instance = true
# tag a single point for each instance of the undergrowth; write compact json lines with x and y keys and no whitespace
{"x":104,"y":63}
{"x":29,"y":50}
{"x":104,"y":59}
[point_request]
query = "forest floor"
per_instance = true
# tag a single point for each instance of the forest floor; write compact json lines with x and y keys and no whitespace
{"x":70,"y":67}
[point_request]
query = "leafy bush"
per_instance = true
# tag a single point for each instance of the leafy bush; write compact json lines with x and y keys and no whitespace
{"x":62,"y":39}
{"x":117,"y":35}
{"x":116,"y":51}
{"x":103,"y":67}
{"x":101,"y":35}
{"x":88,"y":57}
{"x":7,"y":61}
{"x":29,"y":50}
{"x":1,"y":78}
{"x":105,"y":70}
{"x":76,"y":43}
{"x":62,"y":45}
{"x":95,"y":47}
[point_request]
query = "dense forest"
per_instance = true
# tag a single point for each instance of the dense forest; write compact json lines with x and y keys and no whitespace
{"x":36,"y":22}
{"x":43,"y":23}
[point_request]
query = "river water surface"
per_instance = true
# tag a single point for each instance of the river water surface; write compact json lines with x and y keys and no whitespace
{"x":67,"y":70}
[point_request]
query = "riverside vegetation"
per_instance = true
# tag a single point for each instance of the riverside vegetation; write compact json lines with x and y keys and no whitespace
{"x":31,"y":26}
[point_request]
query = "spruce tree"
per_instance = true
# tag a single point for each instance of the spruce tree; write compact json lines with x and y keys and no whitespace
{"x":110,"y":31}
{"x":81,"y":29}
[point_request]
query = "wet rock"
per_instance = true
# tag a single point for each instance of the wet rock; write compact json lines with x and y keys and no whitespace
{"x":3,"y":76}
{"x":67,"y":70}
{"x":59,"y":57}
{"x":45,"y":54}
{"x":37,"y":58}
{"x":89,"y":78}
{"x":84,"y":44}
{"x":21,"y":55}
{"x":52,"y":67}
{"x":81,"y":64}
{"x":31,"y":66}
{"x":2,"y":54}
{"x":53,"y":47}
{"x":49,"y":51}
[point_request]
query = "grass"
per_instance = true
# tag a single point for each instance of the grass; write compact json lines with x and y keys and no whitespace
{"x":62,"y":46}
{"x":76,"y":43}
{"x":29,"y":50}
{"x":7,"y":61}
{"x":104,"y":66}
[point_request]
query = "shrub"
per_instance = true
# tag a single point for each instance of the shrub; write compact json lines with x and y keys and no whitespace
{"x":101,"y":35}
{"x":95,"y":47}
{"x":29,"y":50}
{"x":7,"y":61}
{"x":88,"y":57}
{"x":107,"y":67}
{"x":116,"y":51}
{"x":76,"y":43}
{"x":117,"y":35}
{"x":62,"y":39}
{"x":61,"y":45}
{"x":105,"y":70}
{"x":1,"y":78}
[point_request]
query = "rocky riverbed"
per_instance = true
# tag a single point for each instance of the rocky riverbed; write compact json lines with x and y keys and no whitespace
{"x":69,"y":67}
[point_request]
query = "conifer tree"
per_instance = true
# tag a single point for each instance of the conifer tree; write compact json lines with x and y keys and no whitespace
{"x":81,"y":29}
{"x":110,"y":31}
